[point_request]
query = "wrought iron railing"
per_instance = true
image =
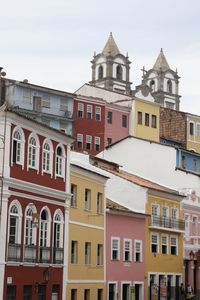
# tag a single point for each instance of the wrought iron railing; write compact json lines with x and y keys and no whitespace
{"x":14,"y":252}
{"x":164,"y":222}
{"x":30,"y":253}
{"x":44,"y":255}
{"x":58,"y":255}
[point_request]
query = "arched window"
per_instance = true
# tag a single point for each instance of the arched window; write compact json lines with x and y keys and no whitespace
{"x":30,"y":235}
{"x":169,"y":86}
{"x":100,"y":72}
{"x":58,"y":238}
{"x":18,"y":147}
{"x":47,"y":157}
{"x":152,"y":85}
{"x":60,"y":161}
{"x":45,"y":236}
{"x":119,"y":72}
{"x":14,"y":238}
{"x":33,"y":152}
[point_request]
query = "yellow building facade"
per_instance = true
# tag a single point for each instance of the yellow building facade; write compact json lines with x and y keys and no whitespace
{"x":86,"y":265}
{"x":146,"y":120}
{"x":164,"y":241}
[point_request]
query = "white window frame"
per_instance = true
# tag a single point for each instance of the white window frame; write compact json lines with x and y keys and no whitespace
{"x":195,"y":230}
{"x":89,"y":112}
{"x":123,"y":283}
{"x":73,"y":202}
{"x":187,"y":227}
{"x":32,"y":230}
{"x":155,"y":234}
{"x":130,"y":250}
{"x":118,"y":248}
{"x":46,"y":100}
{"x":88,"y":141}
{"x":167,"y":243}
{"x":18,"y":216}
{"x":135,"y":250}
{"x":31,"y":149}
{"x":19,"y":146}
{"x":47,"y":157}
{"x":63,"y":104}
{"x":60,"y":162}
{"x":173,"y":236}
{"x":47,"y":228}
{"x":197,"y":129}
{"x":116,"y":289}
{"x":88,"y":200}
{"x":74,"y":259}
{"x":80,"y":140}
{"x":175,"y":216}
{"x":193,"y":128}
{"x":98,"y":113}
{"x":80,"y":110}
{"x":96,"y":143}
{"x":58,"y":219}
{"x":155,"y":217}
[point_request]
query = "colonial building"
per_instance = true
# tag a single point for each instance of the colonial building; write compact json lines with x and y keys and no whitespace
{"x":34,"y":170}
{"x":87,"y":259}
{"x":110,"y":69}
{"x":164,"y":83}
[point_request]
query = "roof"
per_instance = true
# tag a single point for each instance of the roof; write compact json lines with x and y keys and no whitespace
{"x":110,"y":47}
{"x":142,"y":182}
{"x":111,"y":205}
{"x":161,"y":62}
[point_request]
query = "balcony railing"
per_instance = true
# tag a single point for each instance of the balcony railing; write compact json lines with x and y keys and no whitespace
{"x":168,"y":223}
{"x":58,"y":255}
{"x":30,"y":253}
{"x":14,"y":252}
{"x":44,"y":255}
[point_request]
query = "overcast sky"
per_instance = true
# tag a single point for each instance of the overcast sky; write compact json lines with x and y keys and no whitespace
{"x":51,"y":43}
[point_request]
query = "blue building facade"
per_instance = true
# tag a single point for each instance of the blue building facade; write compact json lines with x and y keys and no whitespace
{"x":187,"y":160}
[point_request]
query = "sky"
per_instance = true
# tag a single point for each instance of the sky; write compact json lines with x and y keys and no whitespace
{"x":51,"y":43}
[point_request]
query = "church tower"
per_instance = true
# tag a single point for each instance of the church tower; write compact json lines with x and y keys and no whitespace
{"x":110,"y":69}
{"x":164,"y":83}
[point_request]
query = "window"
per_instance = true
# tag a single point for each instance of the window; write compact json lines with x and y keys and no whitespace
{"x":97,"y":143}
{"x":26,"y":95}
{"x":80,"y":110}
{"x":86,"y":294}
{"x":183,"y":161}
{"x":164,"y":240}
{"x":187,"y":225}
{"x":109,"y":141}
{"x":29,"y":240}
{"x":169,"y":86}
{"x":109,"y":117}
{"x":173,"y":246}
{"x":99,"y":203}
{"x":47,"y":157}
{"x":27,"y":292}
{"x":74,"y":252}
{"x":139,"y":117}
{"x":44,"y":236}
{"x":165,"y":216}
{"x":89,"y":112}
{"x":87,"y":253}
{"x":46,"y":101}
{"x":98,"y":113}
{"x":41,"y":292}
{"x":127,"y":250}
{"x":154,"y":243}
{"x":79,"y":141}
{"x":195,"y":165}
{"x":155,"y":215}
{"x":58,"y":230}
{"x":124,"y":121}
{"x":198,"y":130}
{"x":169,"y":105}
{"x":63,"y":104}
{"x":33,"y":153}
{"x":175,"y":223}
{"x":153,"y":121}
{"x":112,"y":288}
{"x":100,"y":72}
{"x":73,"y":294}
{"x":138,"y":251}
{"x":119,"y":72}
{"x":194,"y":225}
{"x":88,"y":142}
{"x":115,"y":248}
{"x":191,"y":128}
{"x":99,"y":255}
{"x":14,"y":225}
{"x":59,"y":161}
{"x":87,"y":199}
{"x":11,"y":292}
{"x":18,"y":146}
{"x":146,"y":119}
{"x":100,"y":294}
{"x":74,"y":195}
{"x":126,"y":291}
{"x":152,"y":85}
{"x":55,"y":292}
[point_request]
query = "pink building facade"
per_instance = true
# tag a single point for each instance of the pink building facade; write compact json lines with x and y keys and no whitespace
{"x":191,"y":211}
{"x":125,"y":245}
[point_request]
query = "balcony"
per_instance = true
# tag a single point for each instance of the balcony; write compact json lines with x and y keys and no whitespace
{"x":167,"y":223}
{"x":14,"y":252}
{"x":30,"y":253}
{"x":44,"y":255}
{"x":58,"y":255}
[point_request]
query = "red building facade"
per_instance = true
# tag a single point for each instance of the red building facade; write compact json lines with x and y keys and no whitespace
{"x":34,"y":209}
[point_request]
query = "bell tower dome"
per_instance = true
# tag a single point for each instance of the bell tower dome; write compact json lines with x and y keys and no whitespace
{"x":164,"y":83}
{"x":110,"y":68}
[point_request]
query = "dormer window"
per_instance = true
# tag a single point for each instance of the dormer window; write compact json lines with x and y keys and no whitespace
{"x":100,"y":72}
{"x":119,"y":72}
{"x":152,"y":85}
{"x":169,"y":86}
